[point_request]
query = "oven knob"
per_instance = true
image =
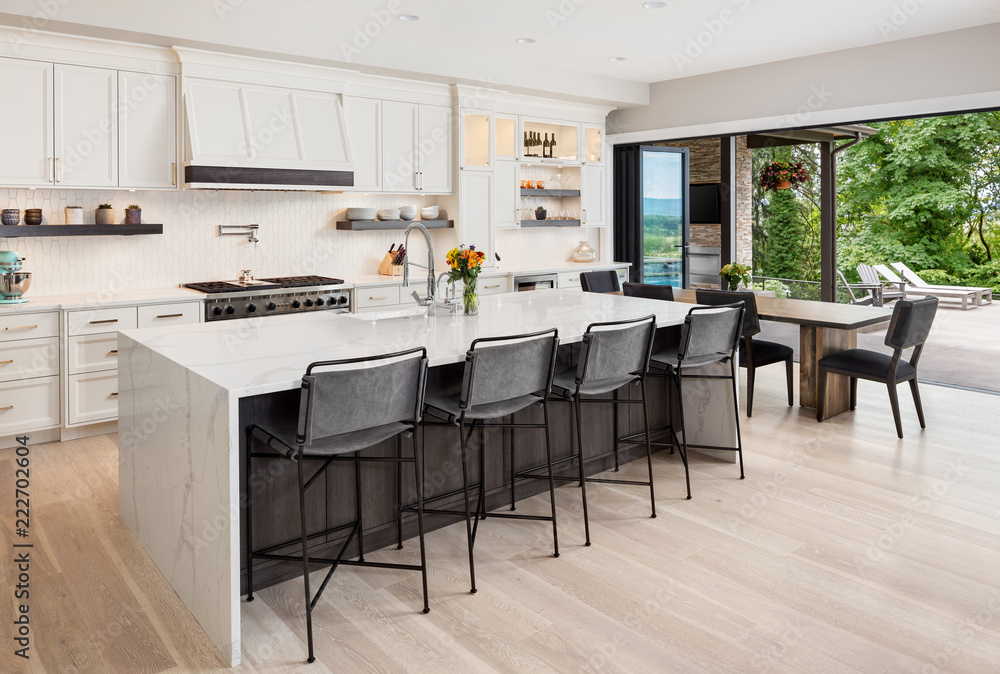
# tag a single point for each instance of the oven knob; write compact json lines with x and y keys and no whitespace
{"x":296,"y":304}
{"x":230,"y":309}
{"x":342,"y":300}
{"x":309,"y":303}
{"x":217,"y":311}
{"x":251,"y":308}
{"x":319,"y":301}
{"x":271,"y":306}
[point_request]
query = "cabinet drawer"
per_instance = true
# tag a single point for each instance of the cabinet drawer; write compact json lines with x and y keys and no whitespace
{"x":92,"y":397}
{"x":492,"y":286}
{"x":569,"y":279}
{"x":29,"y":326}
{"x":29,"y":405}
{"x":92,"y":353}
{"x":29,"y":358}
{"x":179,"y":313}
{"x":95,"y":321}
{"x":382,"y":296}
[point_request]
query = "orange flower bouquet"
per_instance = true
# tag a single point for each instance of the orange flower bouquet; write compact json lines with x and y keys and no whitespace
{"x":464,"y":264}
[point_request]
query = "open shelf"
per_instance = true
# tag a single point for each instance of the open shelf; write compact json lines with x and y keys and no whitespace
{"x":79,"y":230}
{"x":368,"y":225}
{"x":550,"y":223}
{"x":526,"y":192}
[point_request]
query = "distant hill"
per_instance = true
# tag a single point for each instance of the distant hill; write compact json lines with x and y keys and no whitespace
{"x":673,"y":207}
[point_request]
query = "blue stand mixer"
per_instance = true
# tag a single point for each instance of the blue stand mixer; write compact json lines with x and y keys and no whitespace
{"x":13,"y":281}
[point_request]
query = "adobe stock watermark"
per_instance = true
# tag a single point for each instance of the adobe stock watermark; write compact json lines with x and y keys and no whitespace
{"x":30,"y":26}
{"x":712,"y":29}
{"x":562,"y":12}
{"x":815,"y":101}
{"x":898,"y":16}
{"x":365,"y":34}
{"x":965,"y":633}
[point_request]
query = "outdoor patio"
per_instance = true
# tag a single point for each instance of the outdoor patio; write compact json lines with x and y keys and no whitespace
{"x":962,"y":350}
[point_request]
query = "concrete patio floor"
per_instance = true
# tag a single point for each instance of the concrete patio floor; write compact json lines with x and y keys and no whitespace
{"x":962,"y":350}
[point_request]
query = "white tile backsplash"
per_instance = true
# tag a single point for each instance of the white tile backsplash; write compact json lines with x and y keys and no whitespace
{"x":297,"y":235}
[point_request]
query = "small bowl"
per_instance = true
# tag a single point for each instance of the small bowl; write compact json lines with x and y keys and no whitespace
{"x":430,"y":212}
{"x":10,"y":216}
{"x":33,"y":216}
{"x":408,"y":212}
{"x":389,"y":214}
{"x":14,"y":284}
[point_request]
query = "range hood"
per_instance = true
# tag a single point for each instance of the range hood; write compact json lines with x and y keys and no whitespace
{"x":260,"y":124}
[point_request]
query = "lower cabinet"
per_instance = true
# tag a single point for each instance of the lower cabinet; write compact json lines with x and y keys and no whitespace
{"x":29,"y":405}
{"x":375,"y":297}
{"x":29,"y":372}
{"x":92,"y":397}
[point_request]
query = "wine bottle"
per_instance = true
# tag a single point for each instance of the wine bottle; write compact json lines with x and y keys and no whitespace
{"x":545,"y":146}
{"x":527,"y":146}
{"x":552,"y":146}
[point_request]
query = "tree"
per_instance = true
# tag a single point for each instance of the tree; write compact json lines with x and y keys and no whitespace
{"x":785,"y":234}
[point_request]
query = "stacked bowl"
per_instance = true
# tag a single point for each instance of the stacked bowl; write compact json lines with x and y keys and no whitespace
{"x":429,"y":213}
{"x":389,"y":214}
{"x":408,"y":212}
{"x":360,"y":213}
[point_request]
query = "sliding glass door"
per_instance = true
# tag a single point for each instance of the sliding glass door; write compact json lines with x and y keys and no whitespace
{"x":664,"y":215}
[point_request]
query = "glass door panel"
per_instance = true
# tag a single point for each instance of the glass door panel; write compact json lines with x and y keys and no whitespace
{"x":505,"y":137}
{"x":664,"y":216}
{"x":476,"y":139}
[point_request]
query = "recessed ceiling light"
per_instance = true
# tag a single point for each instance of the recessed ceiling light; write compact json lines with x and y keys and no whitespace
{"x":654,"y":5}
{"x":526,"y":40}
{"x":616,"y":59}
{"x":409,"y":17}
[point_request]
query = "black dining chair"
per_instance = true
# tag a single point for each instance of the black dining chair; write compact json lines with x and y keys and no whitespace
{"x":605,"y":281}
{"x":911,"y":323}
{"x":649,"y":291}
{"x":754,"y":353}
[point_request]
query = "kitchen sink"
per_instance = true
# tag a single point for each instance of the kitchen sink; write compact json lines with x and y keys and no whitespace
{"x":409,"y":312}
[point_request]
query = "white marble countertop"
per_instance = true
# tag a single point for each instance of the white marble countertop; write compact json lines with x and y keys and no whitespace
{"x":101,"y":299}
{"x":263,"y":355}
{"x":419,"y":276}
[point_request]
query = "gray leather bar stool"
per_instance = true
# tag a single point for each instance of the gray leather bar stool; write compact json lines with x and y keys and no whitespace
{"x":709,"y":335}
{"x":613,"y":354}
{"x":346,"y":406}
{"x":502,"y":376}
{"x":910,"y":325}
{"x":648,"y":291}
{"x":604,"y":281}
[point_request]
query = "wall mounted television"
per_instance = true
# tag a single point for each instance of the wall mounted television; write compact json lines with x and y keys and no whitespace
{"x":705,"y":204}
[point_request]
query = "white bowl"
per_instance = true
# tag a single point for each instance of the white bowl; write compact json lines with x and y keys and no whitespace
{"x":408,"y":212}
{"x":430,"y":212}
{"x":360,"y":213}
{"x":389,"y":214}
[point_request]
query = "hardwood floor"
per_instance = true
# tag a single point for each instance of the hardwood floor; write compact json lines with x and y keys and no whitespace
{"x":843,"y":550}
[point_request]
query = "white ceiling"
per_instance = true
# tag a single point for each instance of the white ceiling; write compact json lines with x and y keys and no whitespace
{"x":474,"y":40}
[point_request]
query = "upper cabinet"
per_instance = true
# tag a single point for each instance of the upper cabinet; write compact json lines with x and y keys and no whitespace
{"x":416,"y":148}
{"x":476,"y":135}
{"x":505,"y":136}
{"x":253,"y":126}
{"x":84,"y":127}
{"x":363,"y":117}
{"x":593,"y":143}
{"x":538,"y":136}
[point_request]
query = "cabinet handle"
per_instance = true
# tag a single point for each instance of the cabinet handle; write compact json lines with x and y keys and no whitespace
{"x":110,"y":376}
{"x":491,"y":287}
{"x":584,"y":217}
{"x":6,"y":409}
{"x":58,"y":170}
{"x":6,"y":362}
{"x":114,"y":395}
{"x":173,"y":174}
{"x":52,"y":172}
{"x":378,"y":298}
{"x":23,"y":327}
{"x":113,"y":352}
{"x":574,"y":280}
{"x":106,"y":320}
{"x":170,"y":315}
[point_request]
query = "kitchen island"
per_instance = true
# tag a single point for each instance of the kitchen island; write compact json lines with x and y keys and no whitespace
{"x":187,"y":393}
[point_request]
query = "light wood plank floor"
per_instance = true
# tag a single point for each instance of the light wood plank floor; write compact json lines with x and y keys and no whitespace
{"x":843,"y":550}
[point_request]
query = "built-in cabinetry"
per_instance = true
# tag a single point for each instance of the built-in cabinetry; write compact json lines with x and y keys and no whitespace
{"x":29,"y":372}
{"x":86,"y":127}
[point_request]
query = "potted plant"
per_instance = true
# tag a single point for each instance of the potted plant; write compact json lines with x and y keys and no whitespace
{"x":464,"y":264}
{"x":74,"y":215}
{"x":133,"y":214}
{"x":104,"y":215}
{"x":733,"y":274}
{"x":781,"y":175}
{"x":539,"y":213}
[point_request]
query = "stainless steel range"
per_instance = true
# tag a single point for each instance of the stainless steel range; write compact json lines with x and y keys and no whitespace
{"x":270,"y":296}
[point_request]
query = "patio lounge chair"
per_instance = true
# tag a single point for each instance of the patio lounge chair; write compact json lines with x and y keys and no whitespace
{"x":964,"y":293}
{"x":870,"y":277}
{"x":874,"y":290}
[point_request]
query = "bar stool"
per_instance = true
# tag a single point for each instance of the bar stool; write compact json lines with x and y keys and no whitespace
{"x":648,"y":291}
{"x":503,"y":375}
{"x":358,"y":404}
{"x":613,"y":354}
{"x":710,"y":335}
{"x":604,"y":281}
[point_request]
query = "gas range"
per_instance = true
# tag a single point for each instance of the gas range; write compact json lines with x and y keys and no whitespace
{"x":272,"y":296}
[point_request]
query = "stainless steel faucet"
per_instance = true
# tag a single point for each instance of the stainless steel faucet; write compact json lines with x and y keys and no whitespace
{"x":450,"y":296}
{"x":427,"y":301}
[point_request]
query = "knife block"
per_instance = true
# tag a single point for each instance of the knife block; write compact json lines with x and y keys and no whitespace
{"x":387,"y":268}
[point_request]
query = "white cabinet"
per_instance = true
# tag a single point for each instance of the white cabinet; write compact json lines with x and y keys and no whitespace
{"x":215,"y":123}
{"x":493,"y":285}
{"x":568,"y":280}
{"x":375,"y":297}
{"x":363,"y":117}
{"x":506,"y":141}
{"x":29,"y":372}
{"x":416,"y":148}
{"x":475,"y":225}
{"x":506,"y":194}
{"x":592,"y":195}
{"x":92,"y":397}
{"x":592,"y":141}
{"x":26,"y":145}
{"x":29,"y":405}
{"x":86,"y":119}
{"x":147,"y":136}
{"x":165,"y":315}
{"x":475,"y":137}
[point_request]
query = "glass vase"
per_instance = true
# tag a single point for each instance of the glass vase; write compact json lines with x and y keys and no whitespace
{"x":584,"y":253}
{"x":470,"y":297}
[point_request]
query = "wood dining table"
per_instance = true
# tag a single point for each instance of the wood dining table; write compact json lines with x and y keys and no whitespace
{"x":824,"y":328}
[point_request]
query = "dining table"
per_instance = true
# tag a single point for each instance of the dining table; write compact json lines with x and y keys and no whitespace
{"x":824,"y":328}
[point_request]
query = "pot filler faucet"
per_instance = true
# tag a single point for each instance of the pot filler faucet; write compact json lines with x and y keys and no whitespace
{"x":427,"y":301}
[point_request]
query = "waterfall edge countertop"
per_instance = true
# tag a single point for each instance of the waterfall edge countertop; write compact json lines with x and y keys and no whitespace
{"x":268,"y":354}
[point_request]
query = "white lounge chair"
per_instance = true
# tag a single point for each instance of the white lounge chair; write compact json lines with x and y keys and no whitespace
{"x":874,"y":290}
{"x":962,"y":294}
{"x":979,"y":294}
{"x":869,"y":276}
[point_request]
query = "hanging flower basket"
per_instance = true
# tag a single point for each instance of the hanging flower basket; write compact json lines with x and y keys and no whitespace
{"x":782,"y":175}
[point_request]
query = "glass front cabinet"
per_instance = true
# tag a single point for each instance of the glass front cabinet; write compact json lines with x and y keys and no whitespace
{"x":477,"y":139}
{"x":592,"y":138}
{"x":537,"y":138}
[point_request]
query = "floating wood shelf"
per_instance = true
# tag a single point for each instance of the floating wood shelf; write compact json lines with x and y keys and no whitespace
{"x":550,"y":223}
{"x":368,"y":225}
{"x":525,"y":192}
{"x":79,"y":230}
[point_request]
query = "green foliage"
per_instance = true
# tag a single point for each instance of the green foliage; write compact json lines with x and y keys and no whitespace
{"x":785,"y":232}
{"x":662,"y":235}
{"x":937,"y":277}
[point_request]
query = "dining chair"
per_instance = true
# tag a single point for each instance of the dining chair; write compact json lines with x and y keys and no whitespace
{"x":648,"y":291}
{"x":604,"y":281}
